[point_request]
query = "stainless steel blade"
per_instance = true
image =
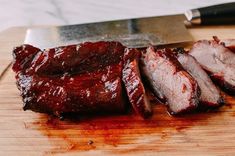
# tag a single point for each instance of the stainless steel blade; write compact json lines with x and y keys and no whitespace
{"x":138,"y":32}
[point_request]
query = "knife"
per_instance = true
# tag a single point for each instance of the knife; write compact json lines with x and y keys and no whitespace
{"x":212,"y":15}
{"x":133,"y":33}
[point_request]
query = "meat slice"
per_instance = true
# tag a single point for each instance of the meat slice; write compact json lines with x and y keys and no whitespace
{"x":218,"y":61}
{"x":210,"y":95}
{"x":134,"y":86}
{"x":80,"y":58}
{"x":169,"y":80}
{"x":89,"y":93}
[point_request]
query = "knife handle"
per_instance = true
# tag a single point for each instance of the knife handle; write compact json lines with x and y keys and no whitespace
{"x":212,"y":15}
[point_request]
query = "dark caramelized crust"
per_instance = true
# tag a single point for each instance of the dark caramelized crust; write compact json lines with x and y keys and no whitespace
{"x":99,"y":91}
{"x":134,"y":86}
{"x":88,"y":93}
{"x":81,"y":79}
{"x":80,"y":58}
{"x":22,"y":57}
{"x":169,"y":80}
{"x":218,"y":61}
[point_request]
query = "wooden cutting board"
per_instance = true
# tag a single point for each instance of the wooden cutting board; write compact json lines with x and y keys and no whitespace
{"x":29,"y":133}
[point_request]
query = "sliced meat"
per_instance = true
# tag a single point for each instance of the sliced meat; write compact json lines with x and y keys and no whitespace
{"x":169,"y":80}
{"x":89,"y":93}
{"x":210,"y":95}
{"x":80,"y":58}
{"x":134,"y":86}
{"x":218,"y":61}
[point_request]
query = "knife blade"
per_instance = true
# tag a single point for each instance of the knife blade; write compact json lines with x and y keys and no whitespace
{"x":133,"y":33}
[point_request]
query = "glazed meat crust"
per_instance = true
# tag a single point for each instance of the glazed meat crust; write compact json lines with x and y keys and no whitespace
{"x":85,"y":57}
{"x":133,"y":84}
{"x":22,"y":57}
{"x":55,"y":81}
{"x":87,"y":93}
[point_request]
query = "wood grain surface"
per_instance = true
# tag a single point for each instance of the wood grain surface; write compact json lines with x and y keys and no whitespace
{"x":29,"y":133}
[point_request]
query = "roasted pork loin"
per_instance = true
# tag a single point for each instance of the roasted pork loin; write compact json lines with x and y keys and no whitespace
{"x":80,"y":79}
{"x":101,"y":77}
{"x":61,"y":90}
{"x":210,"y":95}
{"x":169,"y":80}
{"x":87,"y":93}
{"x":218,"y":61}
{"x":134,"y":86}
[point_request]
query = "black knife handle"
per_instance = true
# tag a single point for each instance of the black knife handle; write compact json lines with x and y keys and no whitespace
{"x":213,"y":15}
{"x":218,"y":14}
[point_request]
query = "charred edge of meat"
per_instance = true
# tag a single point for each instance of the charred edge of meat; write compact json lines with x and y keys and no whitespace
{"x":133,"y":84}
{"x":228,"y":88}
{"x":220,"y":102}
{"x":207,"y":106}
{"x":178,"y":50}
{"x":232,"y":48}
{"x":23,"y":55}
{"x":168,"y":58}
